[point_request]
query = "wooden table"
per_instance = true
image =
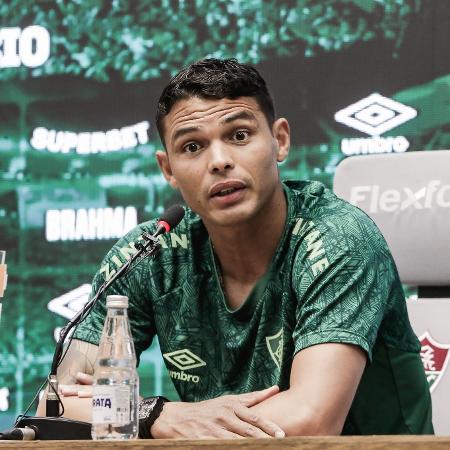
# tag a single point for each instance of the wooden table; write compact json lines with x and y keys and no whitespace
{"x":303,"y":443}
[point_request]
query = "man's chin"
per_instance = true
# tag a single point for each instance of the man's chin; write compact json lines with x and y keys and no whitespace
{"x":238,"y":215}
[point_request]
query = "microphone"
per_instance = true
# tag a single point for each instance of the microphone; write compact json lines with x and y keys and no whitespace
{"x":170,"y":218}
{"x":19,"y":434}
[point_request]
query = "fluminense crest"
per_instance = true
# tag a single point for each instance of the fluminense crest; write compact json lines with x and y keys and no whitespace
{"x":435,"y":358}
{"x":275,"y":346}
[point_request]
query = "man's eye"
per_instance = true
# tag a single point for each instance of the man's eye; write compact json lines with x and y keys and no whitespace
{"x":241,"y":135}
{"x":191,"y":147}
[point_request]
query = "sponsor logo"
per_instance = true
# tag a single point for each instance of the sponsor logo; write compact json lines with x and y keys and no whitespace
{"x":89,"y":224}
{"x":368,"y":146}
{"x":434,"y":194}
{"x":435,"y":358}
{"x":29,"y":47}
{"x":184,"y":359}
{"x":275,"y":346}
{"x":68,"y":304}
{"x":375,"y":115}
{"x":183,"y":376}
{"x":314,"y":245}
{"x":126,"y":252}
{"x":90,"y":142}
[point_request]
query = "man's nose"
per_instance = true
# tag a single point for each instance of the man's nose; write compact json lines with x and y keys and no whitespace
{"x":220,"y":158}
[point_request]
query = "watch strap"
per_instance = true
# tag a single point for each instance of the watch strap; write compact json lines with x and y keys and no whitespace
{"x":149,"y":410}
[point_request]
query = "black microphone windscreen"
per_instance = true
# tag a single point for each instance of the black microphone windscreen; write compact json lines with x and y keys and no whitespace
{"x":173,"y":215}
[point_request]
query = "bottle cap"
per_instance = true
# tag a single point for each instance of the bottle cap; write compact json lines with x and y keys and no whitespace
{"x":117,"y":301}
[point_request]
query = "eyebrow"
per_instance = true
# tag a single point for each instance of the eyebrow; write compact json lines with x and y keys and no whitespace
{"x":239,"y":116}
{"x":182,"y":131}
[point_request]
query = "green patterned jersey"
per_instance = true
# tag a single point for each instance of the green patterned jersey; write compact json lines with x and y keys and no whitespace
{"x":332,"y":279}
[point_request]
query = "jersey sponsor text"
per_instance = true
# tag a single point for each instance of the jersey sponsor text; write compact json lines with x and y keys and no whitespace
{"x":127,"y":251}
{"x":314,"y":245}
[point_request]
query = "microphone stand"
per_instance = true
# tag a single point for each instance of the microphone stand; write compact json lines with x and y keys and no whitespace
{"x":53,"y":426}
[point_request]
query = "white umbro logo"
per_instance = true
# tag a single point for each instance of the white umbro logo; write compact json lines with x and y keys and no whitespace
{"x":68,"y":304}
{"x":375,"y":114}
{"x":184,"y":359}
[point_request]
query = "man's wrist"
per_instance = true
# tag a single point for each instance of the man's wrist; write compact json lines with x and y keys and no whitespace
{"x":150,"y":409}
{"x":157,"y":428}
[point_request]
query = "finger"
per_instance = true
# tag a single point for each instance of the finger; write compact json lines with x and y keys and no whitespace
{"x":213,"y":431}
{"x":84,"y":378}
{"x":226,"y":434}
{"x":253,"y":398}
{"x":76,"y":390}
{"x":245,"y":429}
{"x":265,"y":425}
{"x":85,"y":393}
{"x":68,"y":390}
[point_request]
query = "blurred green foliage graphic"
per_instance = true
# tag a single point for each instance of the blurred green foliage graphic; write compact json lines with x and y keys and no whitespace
{"x":142,"y":39}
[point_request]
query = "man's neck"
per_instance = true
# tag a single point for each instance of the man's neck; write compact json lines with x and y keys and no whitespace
{"x":246,"y":250}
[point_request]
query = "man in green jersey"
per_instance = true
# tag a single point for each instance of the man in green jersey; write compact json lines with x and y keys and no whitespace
{"x":277,"y":306}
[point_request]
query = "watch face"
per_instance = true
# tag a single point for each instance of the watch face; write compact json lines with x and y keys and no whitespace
{"x":146,"y":407}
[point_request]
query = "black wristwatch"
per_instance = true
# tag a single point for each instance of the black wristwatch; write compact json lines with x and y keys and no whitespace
{"x":149,"y":410}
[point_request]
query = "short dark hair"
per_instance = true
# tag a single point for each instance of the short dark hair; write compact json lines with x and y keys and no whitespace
{"x":215,"y":79}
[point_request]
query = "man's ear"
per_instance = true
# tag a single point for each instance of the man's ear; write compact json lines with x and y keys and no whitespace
{"x":164,"y":164}
{"x":282,"y":135}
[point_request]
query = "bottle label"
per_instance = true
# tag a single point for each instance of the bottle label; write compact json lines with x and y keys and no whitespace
{"x":111,"y":404}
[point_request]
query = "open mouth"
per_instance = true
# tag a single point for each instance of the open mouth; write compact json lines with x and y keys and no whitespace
{"x":227,"y":191}
{"x":224,"y":192}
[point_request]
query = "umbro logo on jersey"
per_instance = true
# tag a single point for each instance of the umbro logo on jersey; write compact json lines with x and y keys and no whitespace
{"x":184,"y":359}
{"x":275,"y":346}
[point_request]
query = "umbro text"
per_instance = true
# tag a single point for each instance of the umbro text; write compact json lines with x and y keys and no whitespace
{"x":183,"y":376}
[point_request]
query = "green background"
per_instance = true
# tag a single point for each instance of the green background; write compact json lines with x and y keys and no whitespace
{"x":108,"y":63}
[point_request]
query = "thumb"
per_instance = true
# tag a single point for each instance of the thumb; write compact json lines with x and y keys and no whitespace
{"x":253,"y":398}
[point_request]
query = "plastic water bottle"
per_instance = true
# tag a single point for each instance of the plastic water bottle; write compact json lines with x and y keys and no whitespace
{"x":115,"y":400}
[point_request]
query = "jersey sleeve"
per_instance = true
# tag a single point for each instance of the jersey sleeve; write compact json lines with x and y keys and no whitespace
{"x":343,"y":277}
{"x":134,"y":284}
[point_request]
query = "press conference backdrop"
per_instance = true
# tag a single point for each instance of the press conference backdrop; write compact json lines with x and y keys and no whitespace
{"x":78,"y":87}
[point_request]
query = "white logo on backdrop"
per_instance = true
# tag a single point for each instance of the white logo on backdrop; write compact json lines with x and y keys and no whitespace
{"x":373,"y":198}
{"x":29,"y":46}
{"x":67,"y":305}
{"x":375,"y":115}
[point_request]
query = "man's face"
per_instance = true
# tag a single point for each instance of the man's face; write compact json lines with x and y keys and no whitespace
{"x":223,"y":156}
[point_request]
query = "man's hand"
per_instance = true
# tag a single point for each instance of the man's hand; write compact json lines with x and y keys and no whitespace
{"x":83,"y":388}
{"x":223,"y":417}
